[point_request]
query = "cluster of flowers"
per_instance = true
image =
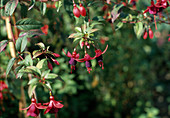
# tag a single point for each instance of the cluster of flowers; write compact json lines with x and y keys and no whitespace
{"x":51,"y":107}
{"x":158,"y":7}
{"x":154,"y":9}
{"x":79,"y":11}
{"x":2,"y":87}
{"x":74,"y":58}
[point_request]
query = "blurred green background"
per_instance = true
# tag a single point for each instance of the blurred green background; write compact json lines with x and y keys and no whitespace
{"x":135,"y":82}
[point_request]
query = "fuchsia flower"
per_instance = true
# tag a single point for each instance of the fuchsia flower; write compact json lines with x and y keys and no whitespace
{"x":151,"y":9}
{"x":53,"y":106}
{"x":45,"y":29}
{"x":87,"y":61}
{"x":3,"y":85}
{"x":99,"y":56}
{"x":73,"y":57}
{"x":50,"y":65}
{"x":158,"y":7}
{"x":33,"y":109}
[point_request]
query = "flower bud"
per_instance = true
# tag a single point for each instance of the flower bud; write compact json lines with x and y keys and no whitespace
{"x":150,"y":33}
{"x":76,"y":11}
{"x":82,"y":10}
{"x":145,"y":35}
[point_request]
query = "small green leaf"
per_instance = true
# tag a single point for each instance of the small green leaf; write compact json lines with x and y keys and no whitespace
{"x":47,"y":85}
{"x":40,"y":63}
{"x":32,"y":4}
{"x":43,"y":7}
{"x":24,"y":43}
{"x":33,"y":81}
{"x":119,"y":25}
{"x":28,"y":24}
{"x":36,"y":54}
{"x":10,"y":64}
{"x":138,"y":29}
{"x":51,"y":76}
{"x":41,"y":45}
{"x":28,"y":60}
{"x":44,"y":73}
{"x":10,"y":7}
{"x":58,"y":4}
{"x":3,"y":44}
{"x":31,"y":89}
{"x":78,"y":29}
{"x":35,"y":70}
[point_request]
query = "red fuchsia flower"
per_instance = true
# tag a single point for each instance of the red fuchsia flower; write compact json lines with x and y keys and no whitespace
{"x":73,"y":58}
{"x":1,"y":95}
{"x":99,"y":56}
{"x":3,"y":85}
{"x":87,"y":59}
{"x":33,"y":109}
{"x":150,"y":33}
{"x":161,"y":4}
{"x":82,"y":10}
{"x":151,"y":9}
{"x":76,"y":11}
{"x":49,"y":65}
{"x":53,"y":106}
{"x":145,"y":35}
{"x":45,"y":29}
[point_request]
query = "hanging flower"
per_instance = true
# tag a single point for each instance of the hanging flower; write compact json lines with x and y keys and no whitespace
{"x":99,"y":56}
{"x":53,"y":106}
{"x":76,"y":11}
{"x":45,"y":29}
{"x":151,"y":9}
{"x":87,"y":59}
{"x":33,"y":109}
{"x":3,"y":85}
{"x":49,"y":65}
{"x":82,"y":10}
{"x":73,"y":58}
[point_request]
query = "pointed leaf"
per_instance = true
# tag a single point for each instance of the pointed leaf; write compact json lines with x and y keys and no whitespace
{"x":41,"y":45}
{"x":23,"y":44}
{"x":31,"y":88}
{"x":10,"y":7}
{"x":43,"y":7}
{"x":32,"y":4}
{"x":28,"y":24}
{"x":51,"y":76}
{"x":33,"y":81}
{"x":28,"y":60}
{"x":40,"y":63}
{"x":35,"y":70}
{"x":10,"y":64}
{"x":3,"y":44}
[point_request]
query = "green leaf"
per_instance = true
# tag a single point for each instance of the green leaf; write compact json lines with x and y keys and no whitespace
{"x":35,"y":70}
{"x":28,"y":60}
{"x":43,"y":7}
{"x":78,"y":29}
{"x":10,"y":64}
{"x":119,"y":25}
{"x":24,"y":43}
{"x":32,"y":4}
{"x":10,"y":7}
{"x":51,"y":76}
{"x":31,"y":88}
{"x":33,"y":81}
{"x":28,"y":24}
{"x":47,"y":85}
{"x":36,"y":54}
{"x":41,"y":45}
{"x":58,"y":4}
{"x":44,"y":73}
{"x":3,"y":44}
{"x":40,"y":63}
{"x":138,"y":28}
